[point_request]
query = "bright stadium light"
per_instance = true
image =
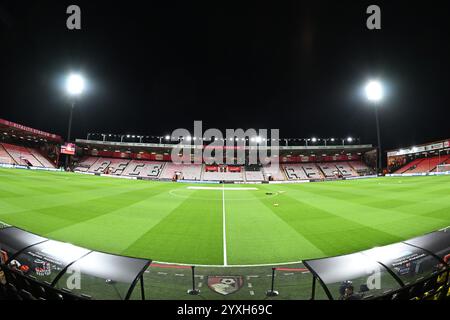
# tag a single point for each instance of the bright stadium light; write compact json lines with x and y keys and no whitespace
{"x":75,"y":84}
{"x":74,"y":87}
{"x":167,"y":137}
{"x":314,"y":139}
{"x":349,"y":139}
{"x":374,"y":91}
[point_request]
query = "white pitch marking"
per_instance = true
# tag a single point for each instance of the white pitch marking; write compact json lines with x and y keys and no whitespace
{"x":231,"y":265}
{"x":223,"y":187}
{"x":225,"y":260}
{"x":250,"y":285}
{"x":200,"y":284}
{"x":163,"y":273}
{"x":252,"y":293}
{"x":179,"y":275}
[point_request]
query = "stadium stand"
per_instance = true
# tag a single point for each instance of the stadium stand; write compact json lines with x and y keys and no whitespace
{"x":273,"y":173}
{"x":21,"y":155}
{"x":85,"y":163}
{"x":100,"y":165}
{"x":345,"y":169}
{"x":410,"y":166}
{"x":223,"y":176}
{"x":144,"y":169}
{"x":295,"y":172}
{"x":109,"y":165}
{"x":171,"y":171}
{"x":359,"y":167}
{"x":312,"y":171}
{"x":427,"y":165}
{"x":5,"y":157}
{"x":254,"y":176}
{"x":117,"y":166}
{"x":43,"y":160}
{"x":423,"y":165}
{"x":329,"y":169}
{"x":182,"y":171}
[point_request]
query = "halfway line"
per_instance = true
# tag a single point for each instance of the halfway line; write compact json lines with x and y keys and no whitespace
{"x":225,"y":262}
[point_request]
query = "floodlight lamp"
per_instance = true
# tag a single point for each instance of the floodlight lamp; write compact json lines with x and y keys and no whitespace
{"x":374,"y":91}
{"x":75,"y":84}
{"x":349,"y":139}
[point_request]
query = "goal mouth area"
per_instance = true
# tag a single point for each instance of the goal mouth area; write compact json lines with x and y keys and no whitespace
{"x":443,"y":168}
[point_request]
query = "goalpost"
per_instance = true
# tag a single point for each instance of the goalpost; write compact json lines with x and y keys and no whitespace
{"x":443,"y":167}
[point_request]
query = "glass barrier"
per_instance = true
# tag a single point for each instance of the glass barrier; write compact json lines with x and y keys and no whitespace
{"x":353,"y":277}
{"x":416,"y":268}
{"x":102,"y":276}
{"x":408,"y":263}
{"x":47,"y":260}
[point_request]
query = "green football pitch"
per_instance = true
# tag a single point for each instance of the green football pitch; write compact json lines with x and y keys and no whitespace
{"x":212,"y":224}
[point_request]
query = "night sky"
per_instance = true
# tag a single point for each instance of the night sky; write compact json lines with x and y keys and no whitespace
{"x":300,"y":67}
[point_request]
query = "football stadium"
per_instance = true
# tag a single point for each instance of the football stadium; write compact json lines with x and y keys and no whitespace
{"x":114,"y":212}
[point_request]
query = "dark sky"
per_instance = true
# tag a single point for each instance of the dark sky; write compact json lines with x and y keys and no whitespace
{"x":156,"y":66}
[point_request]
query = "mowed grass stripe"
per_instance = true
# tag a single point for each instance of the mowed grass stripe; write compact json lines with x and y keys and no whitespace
{"x":366,"y":213}
{"x":392,"y":222}
{"x":191,"y":233}
{"x":122,"y":226}
{"x":418,"y":200}
{"x":256,"y":235}
{"x":48,"y":219}
{"x":42,"y":200}
{"x":331,"y":233}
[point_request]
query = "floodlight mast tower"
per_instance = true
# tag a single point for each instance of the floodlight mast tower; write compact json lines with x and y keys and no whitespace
{"x":374,"y":93}
{"x":74,"y":87}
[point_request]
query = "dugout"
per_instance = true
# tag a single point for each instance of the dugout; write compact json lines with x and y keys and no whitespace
{"x":36,"y":264}
{"x":407,"y":270}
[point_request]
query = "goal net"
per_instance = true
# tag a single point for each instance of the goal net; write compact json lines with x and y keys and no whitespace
{"x":443,"y":168}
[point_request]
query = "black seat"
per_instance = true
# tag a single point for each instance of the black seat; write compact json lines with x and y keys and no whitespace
{"x":3,"y":292}
{"x":68,"y":295}
{"x":401,"y":295}
{"x":416,"y":291}
{"x":26,"y":295}
{"x":13,"y":293}
{"x":52,"y":294}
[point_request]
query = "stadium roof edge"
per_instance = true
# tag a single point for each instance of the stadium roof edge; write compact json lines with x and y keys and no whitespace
{"x":421,"y":145}
{"x":9,"y":125}
{"x":162,"y":145}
